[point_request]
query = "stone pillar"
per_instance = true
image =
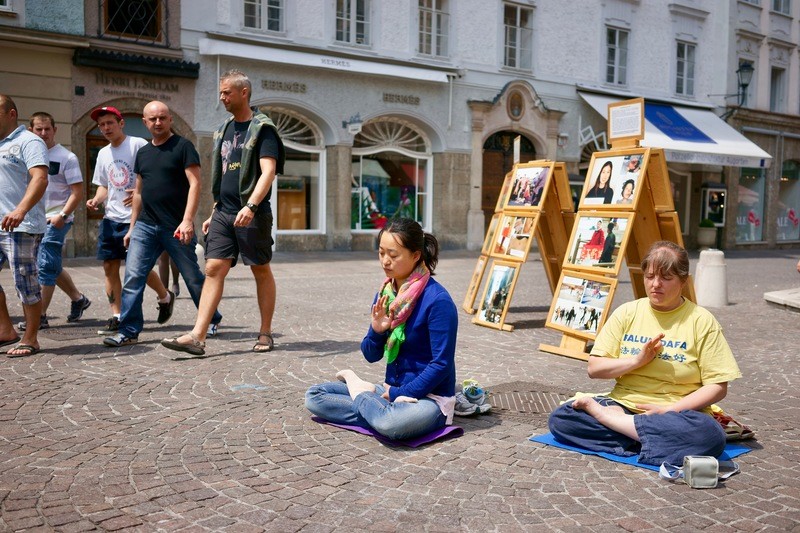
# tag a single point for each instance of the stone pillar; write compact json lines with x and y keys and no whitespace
{"x":475,"y":218}
{"x":338,"y":172}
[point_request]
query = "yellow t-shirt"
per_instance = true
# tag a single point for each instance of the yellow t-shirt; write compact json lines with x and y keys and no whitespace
{"x":694,"y":353}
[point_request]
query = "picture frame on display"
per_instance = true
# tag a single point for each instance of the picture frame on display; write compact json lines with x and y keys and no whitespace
{"x":581,"y":304}
{"x":528,"y":187}
{"x":598,"y":241}
{"x":613,"y":180}
{"x":497,"y":292}
{"x":513,"y":237}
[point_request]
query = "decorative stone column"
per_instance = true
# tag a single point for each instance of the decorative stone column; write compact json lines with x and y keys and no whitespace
{"x":475,"y":219}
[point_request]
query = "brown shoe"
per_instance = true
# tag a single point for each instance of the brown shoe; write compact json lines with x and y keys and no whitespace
{"x":194,"y":347}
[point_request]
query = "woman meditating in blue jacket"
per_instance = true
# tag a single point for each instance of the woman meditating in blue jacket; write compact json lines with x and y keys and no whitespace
{"x":413,"y":327}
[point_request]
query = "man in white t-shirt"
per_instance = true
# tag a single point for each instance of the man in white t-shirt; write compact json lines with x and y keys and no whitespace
{"x":23,"y":181}
{"x":115,"y":180}
{"x":63,"y":196}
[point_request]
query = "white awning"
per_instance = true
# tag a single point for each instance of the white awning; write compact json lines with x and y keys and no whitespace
{"x":292,"y":57}
{"x":690,"y":135}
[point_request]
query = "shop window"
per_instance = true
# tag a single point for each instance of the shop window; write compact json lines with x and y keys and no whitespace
{"x":94,"y":142}
{"x":518,"y":45}
{"x":434,"y":27}
{"x":352,"y":21}
{"x":300,"y":189}
{"x":140,"y":20}
{"x":392,"y":169}
{"x":789,"y":202}
{"x":680,"y":184}
{"x":263,"y":15}
{"x":750,"y":210}
{"x":616,"y":56}
{"x":684,"y":69}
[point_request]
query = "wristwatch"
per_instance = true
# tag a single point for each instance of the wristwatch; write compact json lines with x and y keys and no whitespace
{"x":251,"y":206}
{"x":63,"y":215}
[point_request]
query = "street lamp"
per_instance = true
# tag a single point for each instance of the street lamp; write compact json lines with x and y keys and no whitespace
{"x":744,"y":75}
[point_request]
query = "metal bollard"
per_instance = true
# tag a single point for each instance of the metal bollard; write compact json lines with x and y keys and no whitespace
{"x":710,"y":279}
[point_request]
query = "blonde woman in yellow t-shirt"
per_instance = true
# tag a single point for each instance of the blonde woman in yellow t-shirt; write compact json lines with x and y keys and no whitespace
{"x":670,"y":362}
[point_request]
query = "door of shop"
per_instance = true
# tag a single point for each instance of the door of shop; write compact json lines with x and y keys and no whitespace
{"x":498,"y":159}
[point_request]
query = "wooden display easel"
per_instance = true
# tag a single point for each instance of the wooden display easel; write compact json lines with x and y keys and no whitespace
{"x":551,"y":223}
{"x":653,"y":217}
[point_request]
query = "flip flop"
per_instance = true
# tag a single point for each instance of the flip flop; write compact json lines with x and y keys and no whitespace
{"x":9,"y":341}
{"x":26,"y":347}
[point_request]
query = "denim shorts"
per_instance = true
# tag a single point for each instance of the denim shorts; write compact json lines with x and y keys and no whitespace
{"x":50,"y":264}
{"x":253,"y":242}
{"x":20,"y":250}
{"x":110,"y":241}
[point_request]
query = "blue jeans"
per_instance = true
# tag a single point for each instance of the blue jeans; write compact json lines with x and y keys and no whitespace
{"x":147,"y":243}
{"x":666,"y":437}
{"x":50,"y":253}
{"x":397,"y":421}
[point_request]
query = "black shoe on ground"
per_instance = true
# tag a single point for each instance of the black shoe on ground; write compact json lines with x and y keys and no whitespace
{"x":165,"y":310}
{"x":43,"y":324}
{"x":111,"y":327}
{"x":78,"y":307}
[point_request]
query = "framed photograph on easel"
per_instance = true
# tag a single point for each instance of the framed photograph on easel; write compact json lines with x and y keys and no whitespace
{"x":513,"y":237}
{"x":497,"y":295}
{"x":596,"y":241}
{"x":528,"y":187}
{"x":488,"y":240}
{"x":613,"y":180}
{"x":581,"y":304}
{"x":474,"y":284}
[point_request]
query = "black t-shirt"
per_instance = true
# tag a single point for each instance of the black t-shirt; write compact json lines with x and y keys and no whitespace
{"x":229,"y":200}
{"x":165,"y":188}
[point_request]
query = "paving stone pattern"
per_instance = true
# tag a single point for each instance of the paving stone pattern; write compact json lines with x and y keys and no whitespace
{"x":93,"y":438}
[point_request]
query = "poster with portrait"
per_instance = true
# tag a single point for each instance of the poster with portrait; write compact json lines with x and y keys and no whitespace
{"x":528,"y":186}
{"x":513,"y":237}
{"x":486,"y":249}
{"x":598,"y":241}
{"x":581,"y":304}
{"x":613,"y":180}
{"x":474,"y":284}
{"x":497,"y":294}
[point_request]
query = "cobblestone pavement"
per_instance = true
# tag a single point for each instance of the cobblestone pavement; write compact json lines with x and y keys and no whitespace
{"x":128,"y":439}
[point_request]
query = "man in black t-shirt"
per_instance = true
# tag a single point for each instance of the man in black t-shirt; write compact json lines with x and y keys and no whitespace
{"x":162,"y":218}
{"x":248,"y":153}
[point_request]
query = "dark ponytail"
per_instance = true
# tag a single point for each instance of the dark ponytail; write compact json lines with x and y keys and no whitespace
{"x":413,"y":238}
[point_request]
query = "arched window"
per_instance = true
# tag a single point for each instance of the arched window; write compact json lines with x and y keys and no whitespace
{"x":392,"y":175}
{"x":301,"y":187}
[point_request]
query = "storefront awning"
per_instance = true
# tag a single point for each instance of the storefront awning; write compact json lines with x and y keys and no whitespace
{"x":690,"y":135}
{"x":241,"y":50}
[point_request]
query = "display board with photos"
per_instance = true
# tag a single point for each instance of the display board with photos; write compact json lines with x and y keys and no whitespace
{"x":625,"y":206}
{"x":535,"y":202}
{"x":581,"y":303}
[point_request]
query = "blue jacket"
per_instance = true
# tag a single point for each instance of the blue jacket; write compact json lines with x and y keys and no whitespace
{"x":426,"y":361}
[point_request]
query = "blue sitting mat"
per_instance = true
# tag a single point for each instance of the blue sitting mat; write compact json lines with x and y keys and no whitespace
{"x":446,"y":432}
{"x":731,"y":450}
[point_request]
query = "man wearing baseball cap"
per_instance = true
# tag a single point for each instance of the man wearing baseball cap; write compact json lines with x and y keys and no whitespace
{"x":114,"y":177}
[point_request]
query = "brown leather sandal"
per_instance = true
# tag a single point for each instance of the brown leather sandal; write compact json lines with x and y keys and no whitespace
{"x":263,"y":347}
